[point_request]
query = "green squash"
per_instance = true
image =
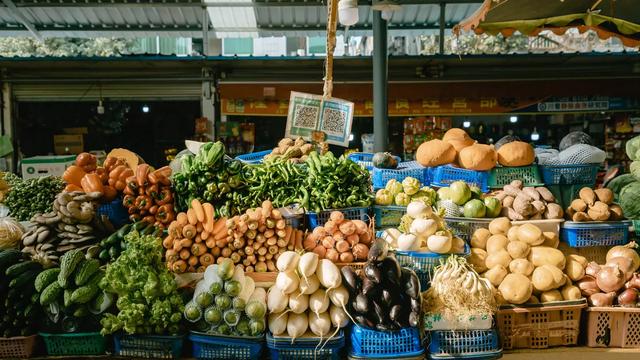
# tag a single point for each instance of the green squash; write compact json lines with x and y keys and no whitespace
{"x":384,"y":160}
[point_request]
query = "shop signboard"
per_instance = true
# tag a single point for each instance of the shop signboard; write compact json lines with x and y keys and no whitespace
{"x":308,"y":113}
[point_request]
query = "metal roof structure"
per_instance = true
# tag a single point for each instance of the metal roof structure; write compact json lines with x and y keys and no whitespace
{"x":221,"y":18}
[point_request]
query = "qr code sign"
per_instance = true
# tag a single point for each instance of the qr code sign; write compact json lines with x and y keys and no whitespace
{"x":333,"y":121}
{"x":305,"y":117}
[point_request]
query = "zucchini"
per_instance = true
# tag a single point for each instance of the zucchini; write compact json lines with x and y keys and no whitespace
{"x":16,"y":269}
{"x":112,"y":239}
{"x":25,"y":278}
{"x":139,"y":226}
{"x":81,"y":311}
{"x":124,"y":230}
{"x":45,"y":278}
{"x":9,"y":257}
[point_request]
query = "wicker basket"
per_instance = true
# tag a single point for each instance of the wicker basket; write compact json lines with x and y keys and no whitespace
{"x":17,"y":347}
{"x":613,"y":327}
{"x":539,"y":326}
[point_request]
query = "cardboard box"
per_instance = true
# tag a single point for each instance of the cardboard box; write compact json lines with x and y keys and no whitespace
{"x":68,"y":144}
{"x":39,"y":166}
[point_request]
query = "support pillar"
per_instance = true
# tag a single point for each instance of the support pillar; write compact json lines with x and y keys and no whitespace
{"x":380,"y":105}
{"x":443,"y":7}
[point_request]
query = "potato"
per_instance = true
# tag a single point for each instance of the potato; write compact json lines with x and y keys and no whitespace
{"x":457,"y":245}
{"x":605,"y":195}
{"x":580,"y":216}
{"x":547,"y":277}
{"x":539,"y":206}
{"x":551,"y":239}
{"x":518,"y":249}
{"x":499,"y":226}
{"x":521,"y":266}
{"x":571,"y":292}
{"x":516,"y":288}
{"x":500,"y":257}
{"x":580,"y":259}
{"x":496,"y":242}
{"x":553,"y":211}
{"x":477,"y":260}
{"x":479,"y":238}
{"x":530,"y":234}
{"x":579,"y":205}
{"x":549,"y":296}
{"x":544,"y":255}
{"x":616,"y":212}
{"x":512,"y":234}
{"x":496,"y":274}
{"x":574,"y":269}
{"x":507,"y":202}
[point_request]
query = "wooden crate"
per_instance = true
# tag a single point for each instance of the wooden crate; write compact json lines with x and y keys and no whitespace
{"x":539,"y":326}
{"x":613,"y":327}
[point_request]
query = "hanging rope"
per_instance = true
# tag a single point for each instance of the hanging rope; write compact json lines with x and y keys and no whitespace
{"x":332,"y":22}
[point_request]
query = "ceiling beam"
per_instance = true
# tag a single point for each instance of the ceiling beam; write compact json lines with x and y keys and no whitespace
{"x":17,"y":14}
{"x":221,"y":4}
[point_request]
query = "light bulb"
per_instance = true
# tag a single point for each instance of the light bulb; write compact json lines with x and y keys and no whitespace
{"x":534,"y":135}
{"x":145,"y":108}
{"x":348,"y":12}
{"x":100,"y":108}
{"x":513,"y":119}
{"x":387,"y":14}
{"x":466,"y":124}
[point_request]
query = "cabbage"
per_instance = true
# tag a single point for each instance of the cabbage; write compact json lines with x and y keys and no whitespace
{"x":192,"y":312}
{"x":232,"y":288}
{"x":632,"y":148}
{"x":634,"y":168}
{"x":426,"y":194}
{"x":443,"y":193}
{"x":620,"y":182}
{"x":630,"y":200}
{"x":223,"y":302}
{"x":204,"y":299}
{"x":410,"y":185}
{"x":394,"y":187}
{"x":212,"y":315}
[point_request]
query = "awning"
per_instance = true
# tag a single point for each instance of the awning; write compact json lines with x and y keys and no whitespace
{"x":617,"y":18}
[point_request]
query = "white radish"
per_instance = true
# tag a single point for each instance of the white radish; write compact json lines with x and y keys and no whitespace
{"x":287,"y":281}
{"x":339,"y":317}
{"x":247,"y":289}
{"x":298,"y":303}
{"x":238,"y":274}
{"x":276,"y":300}
{"x":297,"y":325}
{"x":287,"y":261}
{"x":340,"y":297}
{"x":278,"y":323}
{"x":309,"y":285}
{"x":320,"y":324}
{"x":318,"y":302}
{"x":308,"y":264}
{"x":328,"y":274}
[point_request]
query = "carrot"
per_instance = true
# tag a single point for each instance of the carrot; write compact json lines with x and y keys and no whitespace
{"x":204,"y":235}
{"x":211,"y":243}
{"x":196,"y":205}
{"x":222,"y":243}
{"x":215,"y":251}
{"x":182,"y":219}
{"x":176,"y":246}
{"x":298,"y":243}
{"x":208,"y":216}
{"x":221,"y":235}
{"x":171,"y":255}
{"x":219,"y":225}
{"x":179,"y":266}
{"x":186,"y":243}
{"x":189,"y":231}
{"x":191,"y":217}
{"x":287,"y":236}
{"x":206,"y":259}
{"x":185,"y":254}
{"x":198,"y":249}
{"x":199,"y":227}
{"x":193,"y":260}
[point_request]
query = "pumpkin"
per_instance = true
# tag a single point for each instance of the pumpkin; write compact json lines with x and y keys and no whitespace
{"x":130,"y":158}
{"x":479,"y":157}
{"x":458,"y":138}
{"x":384,"y":160}
{"x":516,"y":153}
{"x":435,"y":153}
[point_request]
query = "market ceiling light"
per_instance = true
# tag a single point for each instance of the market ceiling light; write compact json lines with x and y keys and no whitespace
{"x":534,"y":135}
{"x":513,"y":119}
{"x":387,"y":7}
{"x":350,"y":137}
{"x":100,"y":108}
{"x":348,"y":12}
{"x":466,"y":124}
{"x":145,"y":108}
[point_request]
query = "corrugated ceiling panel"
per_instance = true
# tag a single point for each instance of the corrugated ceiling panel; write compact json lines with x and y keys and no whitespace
{"x":90,"y":92}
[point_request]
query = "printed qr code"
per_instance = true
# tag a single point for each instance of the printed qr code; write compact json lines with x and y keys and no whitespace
{"x":305,"y":117}
{"x":333,"y":121}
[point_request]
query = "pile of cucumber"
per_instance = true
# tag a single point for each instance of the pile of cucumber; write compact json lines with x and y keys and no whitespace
{"x":109,"y":248}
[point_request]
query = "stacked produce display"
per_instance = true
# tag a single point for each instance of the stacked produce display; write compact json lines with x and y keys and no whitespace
{"x":213,"y":251}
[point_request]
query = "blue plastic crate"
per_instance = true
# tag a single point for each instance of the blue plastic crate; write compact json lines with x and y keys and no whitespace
{"x":424,"y":263}
{"x":253,"y":158}
{"x":148,"y":346}
{"x":388,"y":216}
{"x":380,"y":177}
{"x":569,"y":174}
{"x":465,"y":227}
{"x":444,"y":175}
{"x":355,"y":213}
{"x":607,"y":233}
{"x":305,"y":348}
{"x":365,"y":159}
{"x":116,"y":212}
{"x":464,"y":344}
{"x":369,"y":343}
{"x":226,"y":347}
